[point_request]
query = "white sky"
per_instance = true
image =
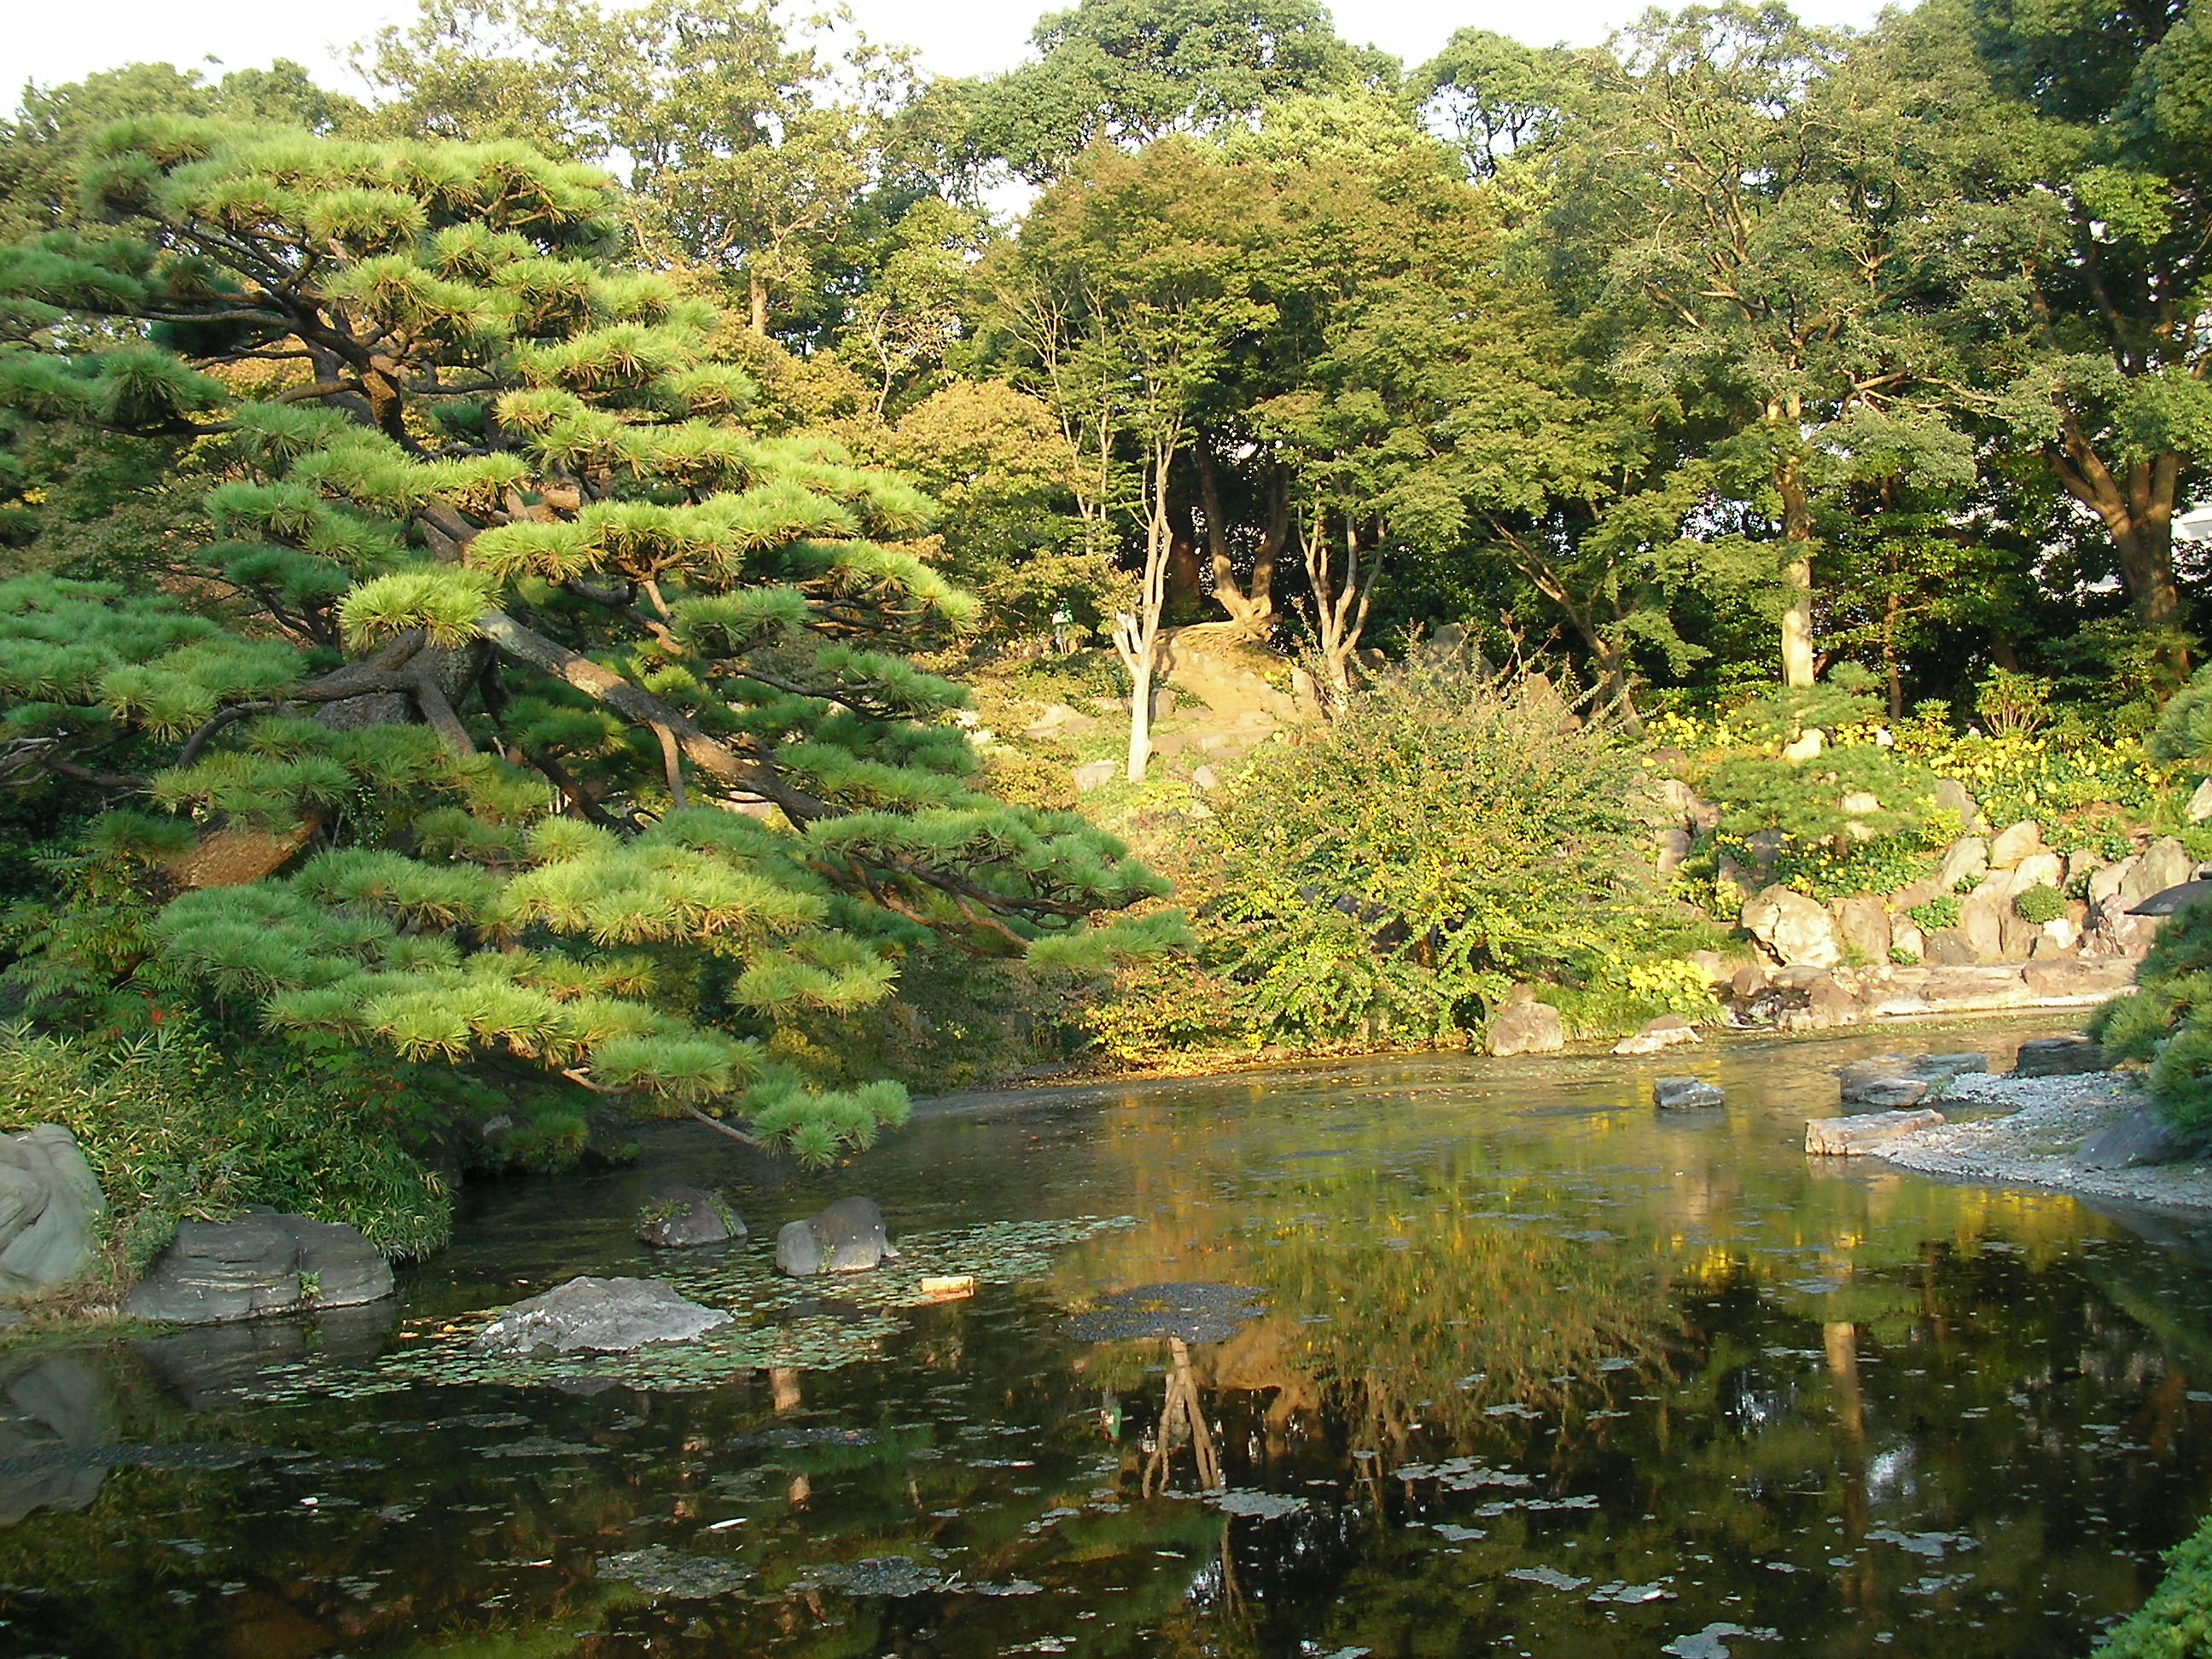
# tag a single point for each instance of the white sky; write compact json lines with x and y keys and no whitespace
{"x":52,"y":41}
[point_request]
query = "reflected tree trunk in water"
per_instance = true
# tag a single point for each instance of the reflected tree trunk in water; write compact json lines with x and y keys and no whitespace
{"x":1841,"y":1338}
{"x":1181,"y":1416}
{"x":783,"y":1389}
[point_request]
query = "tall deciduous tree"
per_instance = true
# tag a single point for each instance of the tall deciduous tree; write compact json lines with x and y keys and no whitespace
{"x":564,"y":722}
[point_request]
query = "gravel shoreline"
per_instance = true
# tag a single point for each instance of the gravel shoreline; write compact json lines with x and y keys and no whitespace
{"x":2045,"y":1119}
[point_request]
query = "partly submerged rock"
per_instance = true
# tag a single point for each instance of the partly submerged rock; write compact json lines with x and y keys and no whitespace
{"x":49,"y":1201}
{"x":1851,"y":1137}
{"x":846,"y":1237}
{"x":599,"y":1316}
{"x":2058,"y":1057}
{"x":262,"y":1263}
{"x":1195,"y":1311}
{"x":1682,"y":1094}
{"x":1661,"y":1033}
{"x":677,"y":1217}
{"x":1879,"y":1084}
{"x":1526,"y":1028}
{"x":1942,"y":1068}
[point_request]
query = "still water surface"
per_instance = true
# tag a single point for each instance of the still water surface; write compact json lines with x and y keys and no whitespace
{"x":1502,"y":1363}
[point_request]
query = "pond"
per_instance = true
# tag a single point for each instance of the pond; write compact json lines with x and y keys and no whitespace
{"x":1434,"y":1356}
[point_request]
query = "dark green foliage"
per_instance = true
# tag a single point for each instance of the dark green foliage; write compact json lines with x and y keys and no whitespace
{"x":2038,"y":905}
{"x":2167,"y":1020}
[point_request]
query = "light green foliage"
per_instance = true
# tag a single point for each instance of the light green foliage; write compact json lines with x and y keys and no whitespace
{"x":2038,"y":905}
{"x":1389,"y":877}
{"x":581,"y":602}
{"x":2176,"y":1622}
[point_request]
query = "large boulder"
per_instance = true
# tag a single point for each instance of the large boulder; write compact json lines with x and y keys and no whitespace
{"x":2141,"y":1138}
{"x":1863,"y":926}
{"x":1951,"y":796}
{"x":1853,"y":1137}
{"x":49,"y":1202}
{"x":846,"y":1237}
{"x":2016,"y":844}
{"x":1526,"y":1027}
{"x":1797,"y":929}
{"x":262,"y":1263}
{"x":2066,"y":1056}
{"x":598,"y":1316}
{"x":677,"y":1217}
{"x":1966,"y":860}
{"x":1982,"y":923}
{"x":2166,"y":863}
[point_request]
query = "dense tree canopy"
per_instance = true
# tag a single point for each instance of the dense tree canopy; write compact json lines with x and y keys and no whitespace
{"x":463,"y":597}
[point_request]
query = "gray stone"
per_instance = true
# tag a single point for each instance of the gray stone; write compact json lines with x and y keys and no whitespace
{"x":1863,"y":927}
{"x":262,"y":1263}
{"x":2068,"y":1056}
{"x":2165,"y":864}
{"x":1093,"y":775}
{"x":1882,"y":1083}
{"x":598,"y":1316}
{"x":1967,"y":860}
{"x":1709,"y":963}
{"x":1661,"y":1033}
{"x":1827,"y":1004}
{"x":1674,"y":848}
{"x":49,"y":1202}
{"x":2041,"y":868}
{"x":846,"y":1237}
{"x":1526,"y":1028}
{"x":1748,"y":982}
{"x":2200,"y":802}
{"x":1853,"y":1137}
{"x":1906,"y":939}
{"x":677,"y":1217}
{"x":2016,"y":844}
{"x":2140,"y":1138}
{"x":1942,"y":1068}
{"x":1948,"y":947}
{"x":1204,"y":779}
{"x":1797,"y":929}
{"x":1682,"y":1094}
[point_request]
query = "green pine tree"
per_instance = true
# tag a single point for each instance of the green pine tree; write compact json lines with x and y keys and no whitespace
{"x":541,"y":711}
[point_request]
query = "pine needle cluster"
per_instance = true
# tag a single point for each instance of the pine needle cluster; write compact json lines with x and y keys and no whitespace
{"x":571,"y":717}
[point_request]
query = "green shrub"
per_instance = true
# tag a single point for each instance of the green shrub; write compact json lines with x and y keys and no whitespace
{"x":2176,"y":1622}
{"x":1389,"y":877}
{"x":2037,"y":905}
{"x":1941,"y":912}
{"x":2167,"y":1020}
{"x":176,"y":1131}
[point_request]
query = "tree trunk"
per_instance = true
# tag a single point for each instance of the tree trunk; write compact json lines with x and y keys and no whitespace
{"x":2136,"y":510}
{"x":1137,"y":633}
{"x":1340,"y":602}
{"x":756,"y":298}
{"x":1798,"y":649}
{"x":1250,"y":610}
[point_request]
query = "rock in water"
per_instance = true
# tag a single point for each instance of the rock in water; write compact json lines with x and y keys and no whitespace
{"x":262,"y":1263}
{"x":48,"y":1203}
{"x":598,"y":1316}
{"x":1661,"y":1033}
{"x":1942,"y":1068}
{"x":675,"y":1218}
{"x":846,"y":1237}
{"x":2058,"y":1057}
{"x":1526,"y":1028}
{"x":1852,"y":1137}
{"x":1881,"y":1084}
{"x":1682,"y":1094}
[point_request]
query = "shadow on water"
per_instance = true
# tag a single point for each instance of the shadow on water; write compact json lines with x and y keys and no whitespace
{"x":1444,"y":1356}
